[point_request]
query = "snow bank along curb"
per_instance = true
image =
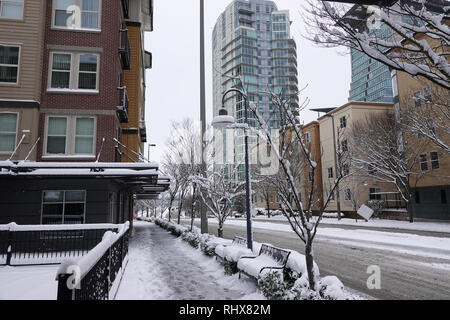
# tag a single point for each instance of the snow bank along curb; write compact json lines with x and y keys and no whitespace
{"x":293,"y":285}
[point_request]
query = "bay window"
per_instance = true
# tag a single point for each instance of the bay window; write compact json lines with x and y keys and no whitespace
{"x":70,"y":136}
{"x":8,"y":132}
{"x":77,"y":14}
{"x":9,"y":64}
{"x":73,"y":71}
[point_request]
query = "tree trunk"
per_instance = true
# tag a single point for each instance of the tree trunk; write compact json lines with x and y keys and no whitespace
{"x":310,"y":266}
{"x":220,"y":230}
{"x":179,"y":211}
{"x":410,"y":211}
{"x":192,"y":208}
{"x":170,"y":211}
{"x":268,"y":209}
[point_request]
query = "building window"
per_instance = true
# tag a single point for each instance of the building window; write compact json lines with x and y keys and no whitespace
{"x":308,"y":137}
{"x":9,"y":64}
{"x":330,"y":173}
{"x":443,"y":197}
{"x":8,"y":132}
{"x":343,"y":122}
{"x":11,"y":9}
{"x":63,"y":207}
{"x":344,"y":145}
{"x":348,"y":195}
{"x":77,"y":71}
{"x":434,"y":156}
{"x":374,"y":194}
{"x":76,"y":14}
{"x":417,"y":197}
{"x":70,"y":136}
{"x":427,"y":95}
{"x":423,"y":162}
{"x":417,"y":99}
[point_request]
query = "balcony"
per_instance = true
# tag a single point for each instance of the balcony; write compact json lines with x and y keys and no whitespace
{"x":122,"y":107}
{"x":124,"y":49}
{"x":143,"y":131}
{"x":126,"y":8}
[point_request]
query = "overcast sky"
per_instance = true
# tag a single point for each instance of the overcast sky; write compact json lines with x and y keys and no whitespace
{"x":173,"y":84}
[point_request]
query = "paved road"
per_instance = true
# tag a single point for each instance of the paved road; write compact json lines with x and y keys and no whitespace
{"x":403,"y":276}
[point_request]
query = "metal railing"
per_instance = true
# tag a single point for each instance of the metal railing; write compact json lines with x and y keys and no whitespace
{"x":124,"y":49}
{"x":99,"y":271}
{"x":122,"y":106}
{"x":43,"y":245}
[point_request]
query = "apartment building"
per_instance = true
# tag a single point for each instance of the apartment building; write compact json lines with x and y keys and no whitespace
{"x":354,"y":190}
{"x":69,"y":64}
{"x":253,"y":39}
{"x":138,"y":20}
{"x":21,"y":58}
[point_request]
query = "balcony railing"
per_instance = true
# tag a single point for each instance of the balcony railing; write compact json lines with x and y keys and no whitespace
{"x":124,"y":49}
{"x":48,"y":244}
{"x":122,"y":106}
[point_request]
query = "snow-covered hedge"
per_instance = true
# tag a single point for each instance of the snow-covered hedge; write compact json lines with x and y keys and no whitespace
{"x":292,"y":285}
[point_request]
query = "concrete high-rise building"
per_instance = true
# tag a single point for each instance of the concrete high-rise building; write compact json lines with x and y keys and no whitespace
{"x":253,"y":39}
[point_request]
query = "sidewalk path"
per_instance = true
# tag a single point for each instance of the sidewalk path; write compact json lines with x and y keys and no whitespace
{"x":162,"y":267}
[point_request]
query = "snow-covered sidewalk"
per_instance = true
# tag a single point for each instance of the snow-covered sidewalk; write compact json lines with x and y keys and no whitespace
{"x":162,"y":267}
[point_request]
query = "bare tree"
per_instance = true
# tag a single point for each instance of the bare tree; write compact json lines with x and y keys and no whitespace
{"x":411,"y":36}
{"x":299,"y":217}
{"x":428,"y":115}
{"x":382,"y":151}
{"x":184,"y":150}
{"x":218,"y":193}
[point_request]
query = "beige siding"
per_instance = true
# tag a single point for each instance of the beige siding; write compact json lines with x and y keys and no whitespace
{"x":29,"y":34}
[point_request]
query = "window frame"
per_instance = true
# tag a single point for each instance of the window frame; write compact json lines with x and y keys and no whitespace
{"x":17,"y":130}
{"x":70,"y":137}
{"x":11,"y":65}
{"x":78,"y":3}
{"x":423,"y":162}
{"x":330,"y":170}
{"x":16,"y":19}
{"x":74,"y":72}
{"x":435,"y":161}
{"x":63,"y":203}
{"x":343,"y":122}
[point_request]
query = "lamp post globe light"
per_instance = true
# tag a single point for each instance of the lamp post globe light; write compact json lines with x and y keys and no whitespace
{"x":222,"y":121}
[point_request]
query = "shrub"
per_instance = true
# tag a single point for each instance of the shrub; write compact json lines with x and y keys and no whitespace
{"x":191,"y":238}
{"x":273,"y":286}
{"x":377,"y":206}
{"x":230,"y":267}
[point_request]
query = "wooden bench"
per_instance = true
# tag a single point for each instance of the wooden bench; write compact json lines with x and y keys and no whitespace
{"x":269,"y":258}
{"x":237,"y":241}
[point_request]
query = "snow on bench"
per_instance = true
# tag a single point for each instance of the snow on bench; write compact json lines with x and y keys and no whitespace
{"x":269,"y":259}
{"x":233,"y":252}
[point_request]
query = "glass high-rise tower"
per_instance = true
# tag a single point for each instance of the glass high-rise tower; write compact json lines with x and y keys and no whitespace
{"x":253,"y":39}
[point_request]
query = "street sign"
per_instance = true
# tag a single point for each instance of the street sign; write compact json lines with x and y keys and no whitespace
{"x":365,"y":212}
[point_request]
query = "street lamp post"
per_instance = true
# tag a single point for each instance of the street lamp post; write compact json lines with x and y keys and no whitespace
{"x":338,"y":201}
{"x":203,"y":214}
{"x":224,"y":121}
